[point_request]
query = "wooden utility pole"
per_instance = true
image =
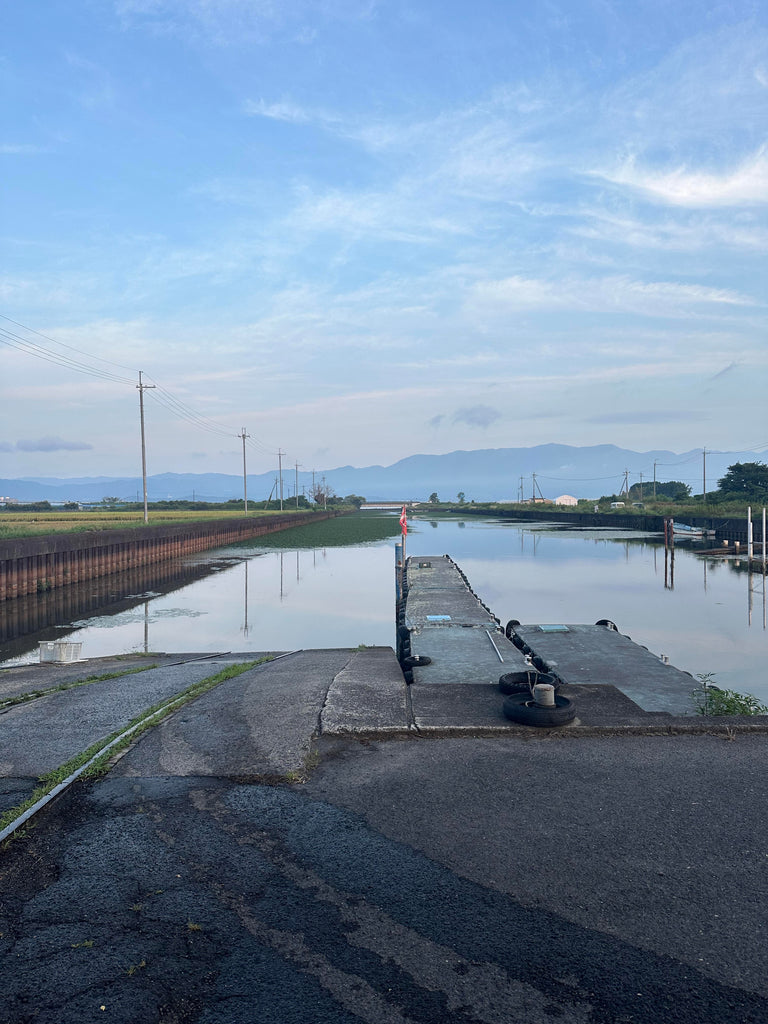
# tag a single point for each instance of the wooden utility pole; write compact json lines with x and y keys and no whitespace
{"x":654,"y":479}
{"x":704,"y":472}
{"x":142,"y":388}
{"x":297,"y":485}
{"x":280,"y":464}
{"x":243,"y":435}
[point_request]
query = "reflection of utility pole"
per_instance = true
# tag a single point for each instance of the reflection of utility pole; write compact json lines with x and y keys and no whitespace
{"x":245,"y":476}
{"x":280,"y":464}
{"x":142,"y":388}
{"x":245,"y":600}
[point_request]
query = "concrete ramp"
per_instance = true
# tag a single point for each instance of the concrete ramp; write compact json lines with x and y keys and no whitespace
{"x":368,"y":695}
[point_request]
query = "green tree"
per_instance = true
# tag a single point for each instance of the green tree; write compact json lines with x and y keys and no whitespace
{"x":354,"y":499}
{"x":461,"y":497}
{"x":673,"y":490}
{"x":745,"y":480}
{"x":433,"y":498}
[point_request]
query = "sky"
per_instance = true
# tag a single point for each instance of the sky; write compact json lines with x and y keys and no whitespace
{"x":364,"y":229}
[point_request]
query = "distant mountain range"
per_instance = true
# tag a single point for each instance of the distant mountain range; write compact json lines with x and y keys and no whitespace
{"x":491,"y":474}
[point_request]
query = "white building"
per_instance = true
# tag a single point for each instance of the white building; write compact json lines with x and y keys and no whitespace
{"x":566,"y":499}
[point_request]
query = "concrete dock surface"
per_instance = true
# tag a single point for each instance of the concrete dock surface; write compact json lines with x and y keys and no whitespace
{"x":315,"y":841}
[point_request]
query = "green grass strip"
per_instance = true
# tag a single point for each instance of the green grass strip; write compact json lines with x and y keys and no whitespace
{"x":104,"y":750}
{"x":24,"y":698}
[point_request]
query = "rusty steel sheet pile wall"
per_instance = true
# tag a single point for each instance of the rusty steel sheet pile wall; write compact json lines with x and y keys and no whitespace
{"x":726,"y":528}
{"x":33,"y":565}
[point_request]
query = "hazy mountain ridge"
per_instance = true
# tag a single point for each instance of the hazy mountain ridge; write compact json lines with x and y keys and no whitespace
{"x":488,"y":474}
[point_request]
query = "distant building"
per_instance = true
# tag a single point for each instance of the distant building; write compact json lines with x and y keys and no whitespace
{"x":566,"y":499}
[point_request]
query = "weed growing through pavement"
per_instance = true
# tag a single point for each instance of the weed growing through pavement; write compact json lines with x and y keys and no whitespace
{"x":714,"y":701}
{"x":146,"y":720}
{"x":23,"y":698}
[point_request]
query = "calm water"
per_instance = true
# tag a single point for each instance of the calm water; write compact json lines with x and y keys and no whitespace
{"x":328,"y":594}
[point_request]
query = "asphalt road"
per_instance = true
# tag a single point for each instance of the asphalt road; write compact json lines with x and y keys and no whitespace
{"x":595,"y":879}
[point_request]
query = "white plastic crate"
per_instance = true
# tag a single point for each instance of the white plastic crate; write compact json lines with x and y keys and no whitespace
{"x":47,"y":650}
{"x":60,"y":650}
{"x":67,"y":650}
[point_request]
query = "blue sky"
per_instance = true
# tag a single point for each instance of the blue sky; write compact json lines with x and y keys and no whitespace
{"x":368,"y":228}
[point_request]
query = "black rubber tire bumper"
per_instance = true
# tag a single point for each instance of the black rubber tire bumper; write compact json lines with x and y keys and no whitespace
{"x":520,"y":708}
{"x":523,"y":680}
{"x":414,"y":660}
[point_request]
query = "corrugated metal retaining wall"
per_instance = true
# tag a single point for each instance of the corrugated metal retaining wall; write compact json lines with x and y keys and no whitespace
{"x":31,"y":565}
{"x":725,"y":528}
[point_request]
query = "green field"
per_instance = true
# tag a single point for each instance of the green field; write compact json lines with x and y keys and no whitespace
{"x":40,"y":524}
{"x":360,"y":528}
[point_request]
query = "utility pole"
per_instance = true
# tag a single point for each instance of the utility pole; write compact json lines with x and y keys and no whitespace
{"x":625,"y":488}
{"x":313,"y":485}
{"x":245,"y":476}
{"x":280,"y":464}
{"x":641,"y":487}
{"x":297,"y":485}
{"x":520,"y":490}
{"x":704,"y":472}
{"x":533,"y":488}
{"x":654,"y":479}
{"x":142,"y":388}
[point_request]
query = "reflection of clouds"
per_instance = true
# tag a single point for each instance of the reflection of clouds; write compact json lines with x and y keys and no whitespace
{"x":127,"y":618}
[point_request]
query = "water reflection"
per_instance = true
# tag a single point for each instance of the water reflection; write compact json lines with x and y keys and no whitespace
{"x":334,"y":587}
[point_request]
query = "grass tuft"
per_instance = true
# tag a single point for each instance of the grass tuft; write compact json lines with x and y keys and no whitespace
{"x":146,"y":720}
{"x":712,"y":700}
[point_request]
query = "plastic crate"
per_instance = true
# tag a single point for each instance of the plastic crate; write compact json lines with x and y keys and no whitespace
{"x":47,"y":650}
{"x":60,"y":650}
{"x":67,"y":650}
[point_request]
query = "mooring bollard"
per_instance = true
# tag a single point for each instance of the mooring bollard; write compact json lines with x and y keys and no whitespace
{"x":544,"y":695}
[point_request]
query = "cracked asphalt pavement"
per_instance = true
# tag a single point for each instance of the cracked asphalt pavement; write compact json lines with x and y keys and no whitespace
{"x":586,"y":880}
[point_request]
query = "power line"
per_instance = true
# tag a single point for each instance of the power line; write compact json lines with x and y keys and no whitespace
{"x":13,"y":340}
{"x":158,"y":393}
{"x":62,"y":344}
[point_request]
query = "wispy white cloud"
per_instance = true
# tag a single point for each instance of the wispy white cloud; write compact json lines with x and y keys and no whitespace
{"x":619,"y":294}
{"x":694,"y":233}
{"x":284,"y":110}
{"x":21,"y":149}
{"x":744,"y":185}
{"x":239,"y":23}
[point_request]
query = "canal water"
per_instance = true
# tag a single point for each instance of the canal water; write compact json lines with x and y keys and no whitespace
{"x":332,"y":585}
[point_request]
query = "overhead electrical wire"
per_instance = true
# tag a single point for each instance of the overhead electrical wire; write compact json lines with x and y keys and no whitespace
{"x":157,"y":392}
{"x":14,"y":340}
{"x":62,"y":344}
